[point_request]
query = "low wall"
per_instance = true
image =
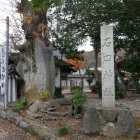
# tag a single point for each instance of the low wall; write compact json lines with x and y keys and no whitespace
{"x":112,"y":122}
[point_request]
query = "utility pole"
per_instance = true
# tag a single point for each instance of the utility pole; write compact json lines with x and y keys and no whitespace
{"x":7,"y":56}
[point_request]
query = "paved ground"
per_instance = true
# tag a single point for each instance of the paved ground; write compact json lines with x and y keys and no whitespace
{"x":9,"y":131}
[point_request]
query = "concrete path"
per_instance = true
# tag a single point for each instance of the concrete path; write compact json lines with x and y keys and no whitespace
{"x":8,"y":131}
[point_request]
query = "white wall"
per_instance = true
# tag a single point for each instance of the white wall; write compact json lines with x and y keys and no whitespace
{"x":76,"y":81}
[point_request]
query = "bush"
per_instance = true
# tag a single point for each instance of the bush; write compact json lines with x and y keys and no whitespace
{"x":99,"y":89}
{"x":78,"y":100}
{"x":62,"y":131}
{"x":19,"y":105}
{"x":58,"y":92}
{"x":93,"y":88}
{"x":75,"y":88}
{"x":89,"y":80}
{"x":45,"y":95}
{"x":118,"y":92}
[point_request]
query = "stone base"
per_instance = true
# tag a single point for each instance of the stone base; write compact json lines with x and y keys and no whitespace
{"x":113,"y":122}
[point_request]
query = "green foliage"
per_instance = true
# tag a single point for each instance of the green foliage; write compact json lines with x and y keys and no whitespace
{"x":118,"y":91}
{"x":75,"y":88}
{"x":132,"y":65}
{"x":43,"y":5}
{"x":99,"y":89}
{"x":90,"y":73}
{"x":15,"y":57}
{"x":19,"y":105}
{"x":62,"y":131}
{"x":89,"y":80}
{"x":93,"y":88}
{"x":78,"y":100}
{"x":81,"y":18}
{"x":58,"y":92}
{"x":44,"y":95}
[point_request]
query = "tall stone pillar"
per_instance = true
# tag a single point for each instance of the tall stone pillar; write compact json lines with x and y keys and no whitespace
{"x":9,"y":89}
{"x":107,"y":63}
{"x":14,"y":89}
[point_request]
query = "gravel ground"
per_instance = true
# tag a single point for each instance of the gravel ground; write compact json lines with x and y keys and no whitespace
{"x":132,"y":103}
{"x":8,"y":131}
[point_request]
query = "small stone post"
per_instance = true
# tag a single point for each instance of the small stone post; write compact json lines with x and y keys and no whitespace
{"x":107,"y":63}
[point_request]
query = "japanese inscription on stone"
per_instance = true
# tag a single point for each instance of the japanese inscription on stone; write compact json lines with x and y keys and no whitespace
{"x":3,"y":70}
{"x":107,"y":62}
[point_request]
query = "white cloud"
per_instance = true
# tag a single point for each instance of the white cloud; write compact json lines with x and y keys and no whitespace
{"x":86,"y":46}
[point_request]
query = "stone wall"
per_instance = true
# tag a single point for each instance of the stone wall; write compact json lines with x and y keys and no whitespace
{"x":113,"y":122}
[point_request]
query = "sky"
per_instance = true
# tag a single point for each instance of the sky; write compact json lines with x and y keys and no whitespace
{"x":86,"y":46}
{"x":3,"y":14}
{"x":6,"y":10}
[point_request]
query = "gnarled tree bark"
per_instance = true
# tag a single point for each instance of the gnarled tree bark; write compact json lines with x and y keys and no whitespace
{"x":36,"y":65}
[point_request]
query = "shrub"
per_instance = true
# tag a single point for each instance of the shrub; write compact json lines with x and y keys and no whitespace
{"x":93,"y":88}
{"x":89,"y":80}
{"x":19,"y":105}
{"x":78,"y":100}
{"x":99,"y":89}
{"x":45,"y":95}
{"x":75,"y":88}
{"x":58,"y":92}
{"x":118,"y":92}
{"x":62,"y":131}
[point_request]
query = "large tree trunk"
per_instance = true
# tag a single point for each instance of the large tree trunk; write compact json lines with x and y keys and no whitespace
{"x":36,"y":66}
{"x":121,"y":80}
{"x":96,"y":65}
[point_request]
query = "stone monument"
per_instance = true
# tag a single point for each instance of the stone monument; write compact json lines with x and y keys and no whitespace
{"x":107,"y":63}
{"x":108,"y":119}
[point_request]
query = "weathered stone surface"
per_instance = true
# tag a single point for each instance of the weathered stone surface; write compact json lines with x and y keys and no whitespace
{"x":39,"y":105}
{"x":107,"y":61}
{"x":58,"y":102}
{"x":109,"y":115}
{"x":109,"y":122}
{"x":3,"y":114}
{"x":23,"y":125}
{"x":91,"y":121}
{"x":18,"y":120}
{"x":109,"y":129}
{"x":33,"y":115}
{"x":125,"y":125}
{"x":11,"y":118}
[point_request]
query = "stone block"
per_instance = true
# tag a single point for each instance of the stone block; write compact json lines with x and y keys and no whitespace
{"x":3,"y":114}
{"x":109,"y":129}
{"x":11,"y":118}
{"x":109,"y":115}
{"x":91,"y":121}
{"x":24,"y":125}
{"x":109,"y":122}
{"x":18,"y":120}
